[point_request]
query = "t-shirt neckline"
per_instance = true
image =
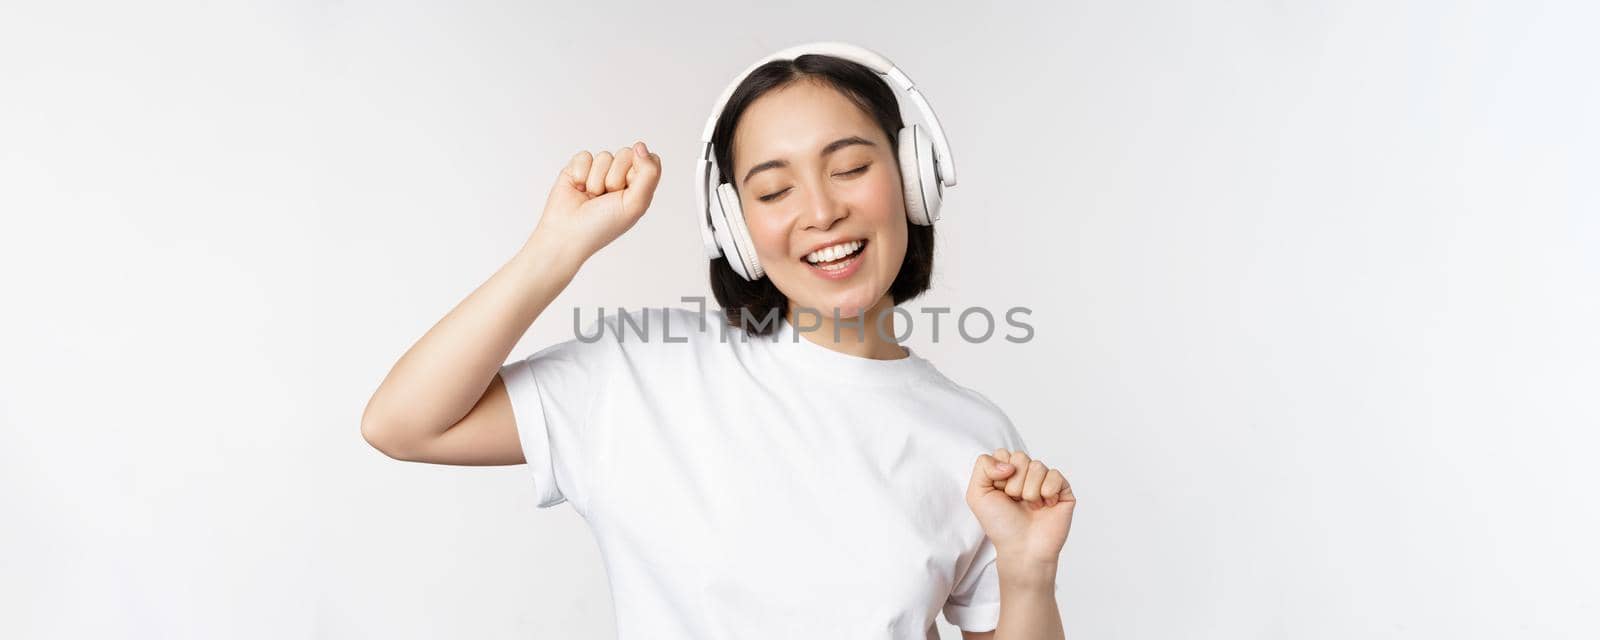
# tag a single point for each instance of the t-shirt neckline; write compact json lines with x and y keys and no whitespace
{"x":800,"y":350}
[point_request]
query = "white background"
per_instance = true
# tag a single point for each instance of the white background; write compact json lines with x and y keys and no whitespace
{"x":1314,"y":285}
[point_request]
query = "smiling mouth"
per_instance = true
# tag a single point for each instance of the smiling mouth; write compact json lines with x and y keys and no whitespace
{"x":836,"y":259}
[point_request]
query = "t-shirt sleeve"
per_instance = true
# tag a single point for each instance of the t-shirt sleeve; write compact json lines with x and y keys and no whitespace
{"x":974,"y":602}
{"x":552,"y":393}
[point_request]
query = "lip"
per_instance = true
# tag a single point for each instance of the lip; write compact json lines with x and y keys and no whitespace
{"x":850,"y":267}
{"x":827,"y":244}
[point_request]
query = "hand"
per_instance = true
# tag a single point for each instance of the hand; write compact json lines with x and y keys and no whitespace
{"x":1025,"y":507}
{"x":598,"y":197}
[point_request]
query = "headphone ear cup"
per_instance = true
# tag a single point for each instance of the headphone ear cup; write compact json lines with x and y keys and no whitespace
{"x":708,"y":238}
{"x":719,"y":232}
{"x":744,"y":249}
{"x":918,"y":177}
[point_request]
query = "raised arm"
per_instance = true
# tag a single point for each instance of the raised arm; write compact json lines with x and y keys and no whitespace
{"x":443,"y":402}
{"x":1025,"y":508}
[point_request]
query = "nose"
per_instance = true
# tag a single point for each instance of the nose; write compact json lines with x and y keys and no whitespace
{"x":825,"y":210}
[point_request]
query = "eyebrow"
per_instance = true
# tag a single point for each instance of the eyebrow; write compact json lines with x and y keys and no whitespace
{"x":832,"y":147}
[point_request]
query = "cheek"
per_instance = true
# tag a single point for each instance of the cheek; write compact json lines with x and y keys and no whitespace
{"x":882,"y":199}
{"x":884,"y":202}
{"x":770,"y":235}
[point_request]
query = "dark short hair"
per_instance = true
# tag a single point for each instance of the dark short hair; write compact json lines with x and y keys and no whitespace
{"x":758,"y":299}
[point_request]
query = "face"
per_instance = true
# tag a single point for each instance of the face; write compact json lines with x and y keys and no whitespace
{"x":817,"y":178}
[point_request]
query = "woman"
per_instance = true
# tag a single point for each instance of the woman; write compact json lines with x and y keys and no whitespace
{"x":803,"y":477}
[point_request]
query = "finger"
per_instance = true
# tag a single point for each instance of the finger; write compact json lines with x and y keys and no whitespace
{"x":985,"y":471}
{"x":1033,"y":483}
{"x":996,"y":470}
{"x":1021,"y":461}
{"x":596,"y":183}
{"x":1002,"y":454}
{"x":578,"y":169}
{"x":642,"y":181}
{"x":1051,"y":489}
{"x":617,"y":177}
{"x":643,"y":159}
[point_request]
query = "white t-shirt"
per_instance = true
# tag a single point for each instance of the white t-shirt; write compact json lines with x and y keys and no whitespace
{"x":743,"y":486}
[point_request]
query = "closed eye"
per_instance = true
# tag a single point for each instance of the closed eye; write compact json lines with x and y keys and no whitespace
{"x":853,"y":172}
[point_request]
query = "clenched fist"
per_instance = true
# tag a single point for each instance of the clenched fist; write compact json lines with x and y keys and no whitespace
{"x":1025,"y":507}
{"x":598,"y":197}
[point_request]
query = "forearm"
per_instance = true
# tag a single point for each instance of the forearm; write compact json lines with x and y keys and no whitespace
{"x":439,"y":379}
{"x":1028,"y":608}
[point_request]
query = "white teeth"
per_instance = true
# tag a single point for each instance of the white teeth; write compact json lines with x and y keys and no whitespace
{"x":834,"y":252}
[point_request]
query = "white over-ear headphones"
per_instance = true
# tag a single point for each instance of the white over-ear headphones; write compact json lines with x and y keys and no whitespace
{"x":925,"y":165}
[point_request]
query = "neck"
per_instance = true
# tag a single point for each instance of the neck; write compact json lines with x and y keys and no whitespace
{"x":858,"y":336}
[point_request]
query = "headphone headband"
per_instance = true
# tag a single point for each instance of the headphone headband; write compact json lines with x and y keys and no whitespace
{"x":865,"y":57}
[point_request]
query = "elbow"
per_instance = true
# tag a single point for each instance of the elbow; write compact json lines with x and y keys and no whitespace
{"x":382,"y":439}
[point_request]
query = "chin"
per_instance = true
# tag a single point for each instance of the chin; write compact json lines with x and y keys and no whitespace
{"x":849,"y":305}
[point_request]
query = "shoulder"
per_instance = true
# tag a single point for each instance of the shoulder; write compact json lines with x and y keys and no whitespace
{"x":664,"y":332}
{"x":987,"y":417}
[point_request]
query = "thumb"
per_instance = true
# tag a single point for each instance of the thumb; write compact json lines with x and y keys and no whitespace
{"x":642,"y":179}
{"x":985,"y":471}
{"x":567,"y":190}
